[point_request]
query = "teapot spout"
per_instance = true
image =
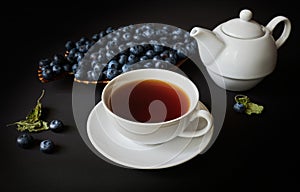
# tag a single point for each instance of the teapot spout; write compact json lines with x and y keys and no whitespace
{"x":209,"y":45}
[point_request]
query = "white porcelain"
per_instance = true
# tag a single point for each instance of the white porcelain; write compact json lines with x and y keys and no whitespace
{"x":119,"y":150}
{"x":240,"y":52}
{"x":155,"y":133}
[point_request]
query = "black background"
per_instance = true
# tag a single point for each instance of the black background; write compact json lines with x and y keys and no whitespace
{"x":252,"y":153}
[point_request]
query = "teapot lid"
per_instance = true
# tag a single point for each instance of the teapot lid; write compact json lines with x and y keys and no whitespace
{"x":243,"y":27}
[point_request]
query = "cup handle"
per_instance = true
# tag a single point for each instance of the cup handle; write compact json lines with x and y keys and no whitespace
{"x":286,"y":31}
{"x":200,"y":113}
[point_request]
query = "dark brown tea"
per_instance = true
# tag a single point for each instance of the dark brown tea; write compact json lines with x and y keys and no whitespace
{"x":149,"y":101}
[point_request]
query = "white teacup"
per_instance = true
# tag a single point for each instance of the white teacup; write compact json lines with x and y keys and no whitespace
{"x":158,"y":132}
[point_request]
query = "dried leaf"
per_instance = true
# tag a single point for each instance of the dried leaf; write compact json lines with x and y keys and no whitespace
{"x":32,"y":122}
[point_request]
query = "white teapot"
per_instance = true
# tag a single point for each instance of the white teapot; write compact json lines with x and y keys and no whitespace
{"x":239,"y":53}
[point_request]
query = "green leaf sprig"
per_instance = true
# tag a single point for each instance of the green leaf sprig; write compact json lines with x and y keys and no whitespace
{"x":32,"y":122}
{"x":250,"y":106}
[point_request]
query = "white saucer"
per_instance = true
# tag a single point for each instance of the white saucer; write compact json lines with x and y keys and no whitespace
{"x":121,"y":151}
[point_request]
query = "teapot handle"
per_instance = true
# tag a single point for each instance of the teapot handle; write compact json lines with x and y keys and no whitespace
{"x":286,"y":31}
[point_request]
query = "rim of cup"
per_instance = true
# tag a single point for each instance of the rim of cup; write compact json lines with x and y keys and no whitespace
{"x":191,"y":107}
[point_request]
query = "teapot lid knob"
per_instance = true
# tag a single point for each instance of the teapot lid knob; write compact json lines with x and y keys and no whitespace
{"x":243,"y":27}
{"x":246,"y":15}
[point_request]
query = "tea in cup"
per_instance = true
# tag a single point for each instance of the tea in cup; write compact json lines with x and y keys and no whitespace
{"x":153,"y":106}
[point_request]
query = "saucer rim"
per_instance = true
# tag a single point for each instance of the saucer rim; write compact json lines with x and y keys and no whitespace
{"x":163,"y":165}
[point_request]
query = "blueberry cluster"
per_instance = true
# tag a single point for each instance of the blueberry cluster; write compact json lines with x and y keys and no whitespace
{"x":66,"y":63}
{"x":115,"y":51}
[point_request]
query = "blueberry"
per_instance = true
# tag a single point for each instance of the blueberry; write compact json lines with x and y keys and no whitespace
{"x":25,"y":141}
{"x":79,"y":56}
{"x":96,"y":37}
{"x":146,"y":46}
{"x":150,"y":54}
{"x":47,"y":74}
{"x":57,"y":69}
{"x":67,"y":67}
{"x":113,"y":64}
{"x":132,"y":59}
{"x":58,"y":58}
{"x":181,"y":54}
{"x":70,"y":45}
{"x":83,"y":39}
{"x":239,"y":107}
{"x":164,"y":54}
{"x":158,"y":48}
{"x":143,"y":58}
{"x":136,"y":50}
{"x":111,"y":73}
{"x":47,"y":146}
{"x":44,"y":62}
{"x":74,"y":67}
{"x":56,"y":125}
{"x":109,"y":30}
{"x":102,"y":34}
{"x":125,"y":68}
{"x":123,"y":59}
{"x":170,"y":60}
{"x":83,"y":48}
{"x":157,"y":57}
{"x":73,"y":52}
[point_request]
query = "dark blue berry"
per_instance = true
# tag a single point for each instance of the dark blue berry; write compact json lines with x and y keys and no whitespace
{"x":136,"y":50}
{"x":83,"y":40}
{"x":47,"y":74}
{"x":143,"y":58}
{"x":70,"y":45}
{"x":96,"y":37}
{"x":111,"y":73}
{"x":25,"y":141}
{"x":56,"y":125}
{"x":150,"y":54}
{"x":125,"y":68}
{"x":239,"y":107}
{"x":74,"y":67}
{"x":109,"y":30}
{"x":113,"y":64}
{"x":73,"y":52}
{"x":47,"y":146}
{"x":132,"y":59}
{"x":58,"y":58}
{"x":67,"y":67}
{"x":147,"y":47}
{"x":123,"y":59}
{"x":181,"y":54}
{"x":157,"y":57}
{"x":102,"y":34}
{"x":172,"y":54}
{"x":170,"y":60}
{"x":44,"y":62}
{"x":164,"y":54}
{"x":158,"y":48}
{"x":83,"y":48}
{"x":57,"y":69}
